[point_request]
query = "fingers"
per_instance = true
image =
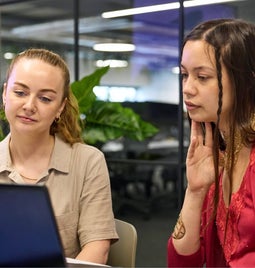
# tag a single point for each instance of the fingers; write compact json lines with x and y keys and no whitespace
{"x":203,"y":136}
{"x":196,"y":131}
{"x":192,"y":147}
{"x":208,"y":135}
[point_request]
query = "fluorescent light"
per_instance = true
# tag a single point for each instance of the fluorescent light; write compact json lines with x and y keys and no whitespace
{"x":195,"y":3}
{"x":175,"y":70}
{"x":112,"y":63}
{"x":114,"y":47}
{"x":9,"y":55}
{"x":161,"y":7}
{"x":139,"y":10}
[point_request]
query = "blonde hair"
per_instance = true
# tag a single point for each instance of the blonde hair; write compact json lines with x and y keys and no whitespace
{"x":67,"y":126}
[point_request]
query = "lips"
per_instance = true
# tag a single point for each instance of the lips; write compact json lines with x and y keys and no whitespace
{"x":190,"y":106}
{"x":26,"y":119}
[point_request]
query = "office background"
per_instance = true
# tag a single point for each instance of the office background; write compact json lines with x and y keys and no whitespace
{"x":144,"y":78}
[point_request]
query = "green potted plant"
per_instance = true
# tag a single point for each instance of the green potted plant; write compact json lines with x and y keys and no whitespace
{"x":103,"y":120}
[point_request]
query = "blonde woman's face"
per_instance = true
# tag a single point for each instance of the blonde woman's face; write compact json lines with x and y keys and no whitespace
{"x":200,"y":83}
{"x":33,"y":96}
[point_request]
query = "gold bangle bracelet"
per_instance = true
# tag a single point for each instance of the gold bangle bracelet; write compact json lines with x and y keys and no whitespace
{"x":179,"y":229}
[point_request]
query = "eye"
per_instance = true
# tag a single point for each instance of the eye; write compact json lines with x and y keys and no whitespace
{"x":45,"y":99}
{"x":19,"y":93}
{"x":184,"y":76}
{"x":202,"y":78}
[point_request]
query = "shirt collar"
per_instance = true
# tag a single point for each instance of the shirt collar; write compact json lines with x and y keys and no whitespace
{"x":60,"y":159}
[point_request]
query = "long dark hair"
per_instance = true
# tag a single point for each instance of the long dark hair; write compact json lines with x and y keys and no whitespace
{"x":233,"y":43}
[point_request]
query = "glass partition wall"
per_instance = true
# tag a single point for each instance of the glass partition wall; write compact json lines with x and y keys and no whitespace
{"x":144,"y":75}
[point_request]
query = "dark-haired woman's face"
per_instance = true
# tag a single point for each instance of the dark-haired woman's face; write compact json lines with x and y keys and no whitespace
{"x":200,"y":83}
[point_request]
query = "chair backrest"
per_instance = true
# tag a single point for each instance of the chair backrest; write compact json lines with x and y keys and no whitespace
{"x":123,"y":252}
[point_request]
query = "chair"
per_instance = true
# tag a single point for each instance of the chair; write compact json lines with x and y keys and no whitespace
{"x":123,"y":252}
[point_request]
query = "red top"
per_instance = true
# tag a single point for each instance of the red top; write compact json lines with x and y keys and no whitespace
{"x":239,"y":247}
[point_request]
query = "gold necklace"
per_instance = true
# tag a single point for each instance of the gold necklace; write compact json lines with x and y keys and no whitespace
{"x":27,"y":178}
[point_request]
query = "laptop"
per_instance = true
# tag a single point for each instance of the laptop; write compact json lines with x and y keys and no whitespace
{"x":29,"y":235}
{"x":28,"y":231}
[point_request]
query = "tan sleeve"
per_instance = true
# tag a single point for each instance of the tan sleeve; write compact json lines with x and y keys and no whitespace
{"x":96,"y":221}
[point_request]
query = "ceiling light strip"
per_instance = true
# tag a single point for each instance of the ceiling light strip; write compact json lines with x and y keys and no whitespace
{"x":161,"y":7}
{"x":114,"y":47}
{"x":140,"y":10}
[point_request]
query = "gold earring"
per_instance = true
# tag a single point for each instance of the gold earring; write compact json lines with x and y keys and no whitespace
{"x":57,"y":119}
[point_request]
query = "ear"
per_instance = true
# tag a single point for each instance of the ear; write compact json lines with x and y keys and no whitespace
{"x":61,"y":108}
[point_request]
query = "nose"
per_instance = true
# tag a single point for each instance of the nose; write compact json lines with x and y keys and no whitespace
{"x":188,"y":86}
{"x":30,"y":104}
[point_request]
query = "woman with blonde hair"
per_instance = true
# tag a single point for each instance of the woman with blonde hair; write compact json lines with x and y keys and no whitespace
{"x":45,"y":147}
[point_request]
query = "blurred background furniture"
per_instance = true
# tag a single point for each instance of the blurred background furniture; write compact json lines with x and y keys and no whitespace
{"x":123,"y":252}
{"x":144,"y":174}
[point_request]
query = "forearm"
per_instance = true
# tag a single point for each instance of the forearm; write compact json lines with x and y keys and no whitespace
{"x":96,"y":251}
{"x":186,"y":235}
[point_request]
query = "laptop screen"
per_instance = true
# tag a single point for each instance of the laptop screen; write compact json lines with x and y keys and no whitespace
{"x":28,"y":230}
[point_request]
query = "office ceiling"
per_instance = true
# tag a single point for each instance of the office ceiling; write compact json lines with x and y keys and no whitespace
{"x":52,"y":21}
{"x":155,"y":35}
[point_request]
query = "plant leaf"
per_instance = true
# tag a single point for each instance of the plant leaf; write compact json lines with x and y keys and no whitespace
{"x":3,"y":119}
{"x":83,"y":89}
{"x":109,"y":120}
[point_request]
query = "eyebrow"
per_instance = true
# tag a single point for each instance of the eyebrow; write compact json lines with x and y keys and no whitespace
{"x":42,"y":90}
{"x":200,"y":68}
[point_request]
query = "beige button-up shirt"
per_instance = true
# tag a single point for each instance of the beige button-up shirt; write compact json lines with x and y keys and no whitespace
{"x":79,"y":187}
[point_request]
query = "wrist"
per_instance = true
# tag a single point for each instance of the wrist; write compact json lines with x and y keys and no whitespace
{"x":198,"y":193}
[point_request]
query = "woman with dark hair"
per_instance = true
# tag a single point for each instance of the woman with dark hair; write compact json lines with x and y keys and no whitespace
{"x":45,"y":147}
{"x":216,"y":223}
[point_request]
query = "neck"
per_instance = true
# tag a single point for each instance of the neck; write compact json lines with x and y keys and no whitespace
{"x":24,"y":148}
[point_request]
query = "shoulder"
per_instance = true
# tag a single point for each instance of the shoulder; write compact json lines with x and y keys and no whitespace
{"x":78,"y":155}
{"x":85,"y":149}
{"x":4,"y":148}
{"x":5,"y":142}
{"x":77,"y":148}
{"x":4,"y":145}
{"x":84,"y":153}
